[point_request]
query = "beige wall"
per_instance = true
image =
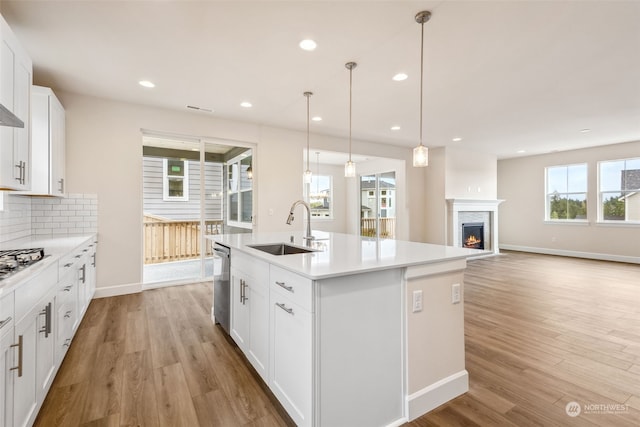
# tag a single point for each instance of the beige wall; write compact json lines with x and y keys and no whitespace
{"x":104,"y":156}
{"x":521,"y":183}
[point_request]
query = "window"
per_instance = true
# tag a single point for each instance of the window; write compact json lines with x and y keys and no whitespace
{"x":239,"y":191}
{"x":566,"y":192}
{"x":175,"y":180}
{"x":619,"y":194}
{"x":318,"y":195}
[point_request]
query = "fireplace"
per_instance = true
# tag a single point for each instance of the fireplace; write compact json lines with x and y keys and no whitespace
{"x":473,"y":235}
{"x":469,"y":211}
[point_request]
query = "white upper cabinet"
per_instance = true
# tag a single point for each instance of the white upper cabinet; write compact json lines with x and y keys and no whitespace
{"x":48,"y":143}
{"x":16,"y":77}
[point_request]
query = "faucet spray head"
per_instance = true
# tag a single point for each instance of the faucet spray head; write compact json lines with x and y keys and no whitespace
{"x":290,"y":218}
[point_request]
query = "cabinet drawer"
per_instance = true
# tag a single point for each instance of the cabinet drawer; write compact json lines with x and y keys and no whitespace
{"x":29,"y":293}
{"x":297,"y":288}
{"x":6,"y":313}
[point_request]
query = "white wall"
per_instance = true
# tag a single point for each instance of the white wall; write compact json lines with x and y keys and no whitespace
{"x":104,"y":156}
{"x":521,"y":181}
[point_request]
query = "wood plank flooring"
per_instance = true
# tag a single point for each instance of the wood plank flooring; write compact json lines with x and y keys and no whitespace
{"x":541,"y":332}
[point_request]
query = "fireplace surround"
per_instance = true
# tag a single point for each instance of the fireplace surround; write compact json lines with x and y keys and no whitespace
{"x":465,"y":211}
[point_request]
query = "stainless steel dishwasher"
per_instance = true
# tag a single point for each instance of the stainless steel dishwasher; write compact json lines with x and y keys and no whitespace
{"x":222,"y":287}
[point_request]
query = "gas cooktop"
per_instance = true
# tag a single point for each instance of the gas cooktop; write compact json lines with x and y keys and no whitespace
{"x":14,"y":260}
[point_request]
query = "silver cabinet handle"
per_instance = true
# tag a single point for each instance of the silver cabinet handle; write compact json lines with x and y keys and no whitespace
{"x":78,"y":256}
{"x":20,"y":347}
{"x":5,"y":322}
{"x":67,"y":288}
{"x":93,"y":263}
{"x":67,"y":314}
{"x":84,"y":273}
{"x":243,"y":291}
{"x":67,"y":265}
{"x":61,"y":182}
{"x":284,"y":307}
{"x":283,"y":285}
{"x":47,"y":320}
{"x":66,"y":342}
{"x":22,"y":174}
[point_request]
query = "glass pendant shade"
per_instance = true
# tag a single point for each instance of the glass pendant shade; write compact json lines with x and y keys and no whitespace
{"x":420,"y":156}
{"x":307,"y":176}
{"x":349,"y":169}
{"x":249,"y":172}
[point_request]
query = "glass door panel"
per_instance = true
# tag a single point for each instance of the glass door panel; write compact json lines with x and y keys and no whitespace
{"x":378,"y":205}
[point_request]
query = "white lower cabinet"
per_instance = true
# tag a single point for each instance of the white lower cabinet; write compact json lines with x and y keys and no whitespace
{"x":37,"y":322}
{"x":250,"y":311}
{"x":291,"y":357}
{"x":7,"y":352}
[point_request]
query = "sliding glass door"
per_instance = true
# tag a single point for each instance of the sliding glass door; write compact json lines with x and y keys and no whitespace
{"x":378,"y":205}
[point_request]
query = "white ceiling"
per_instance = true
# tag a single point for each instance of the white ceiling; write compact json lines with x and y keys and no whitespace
{"x":504,"y":76}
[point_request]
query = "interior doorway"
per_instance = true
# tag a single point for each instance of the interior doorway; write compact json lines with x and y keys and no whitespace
{"x":190,"y":188}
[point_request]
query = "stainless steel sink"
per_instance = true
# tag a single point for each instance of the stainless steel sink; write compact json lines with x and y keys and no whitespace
{"x":281,"y":249}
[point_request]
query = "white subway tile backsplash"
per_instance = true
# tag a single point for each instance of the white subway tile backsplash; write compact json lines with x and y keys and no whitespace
{"x":26,"y":215}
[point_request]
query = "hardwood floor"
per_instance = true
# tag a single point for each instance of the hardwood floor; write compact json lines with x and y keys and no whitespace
{"x":541,"y":332}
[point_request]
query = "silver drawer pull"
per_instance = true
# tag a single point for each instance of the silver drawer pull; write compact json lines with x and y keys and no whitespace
{"x":283,"y":285}
{"x":78,"y":256}
{"x":66,"y":342}
{"x":68,"y":265}
{"x":67,"y":288}
{"x":67,"y":315}
{"x":284,"y":307}
{"x":4,"y":322}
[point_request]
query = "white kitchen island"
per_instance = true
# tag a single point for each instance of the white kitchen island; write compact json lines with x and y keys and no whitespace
{"x":336,"y":333}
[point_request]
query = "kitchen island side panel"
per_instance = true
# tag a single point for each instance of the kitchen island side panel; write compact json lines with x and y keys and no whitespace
{"x":359,"y":340}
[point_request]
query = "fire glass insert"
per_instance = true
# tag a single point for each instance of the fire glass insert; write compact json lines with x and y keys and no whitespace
{"x":473,"y":235}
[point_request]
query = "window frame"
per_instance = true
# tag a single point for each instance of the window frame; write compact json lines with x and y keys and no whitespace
{"x":237,"y":188}
{"x":307,"y":197}
{"x":548,"y":194}
{"x":165,"y":181}
{"x":622,"y":192}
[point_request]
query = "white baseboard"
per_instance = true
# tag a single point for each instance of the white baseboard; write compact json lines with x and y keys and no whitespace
{"x":429,"y":398}
{"x":398,"y":423}
{"x":575,"y":254}
{"x":112,"y":291}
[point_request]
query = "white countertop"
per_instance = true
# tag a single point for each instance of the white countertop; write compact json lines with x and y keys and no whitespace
{"x":55,"y":247}
{"x":343,"y":254}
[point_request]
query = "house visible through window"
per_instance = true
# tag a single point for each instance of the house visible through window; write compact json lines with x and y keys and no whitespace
{"x":619,"y":190}
{"x":175,"y":177}
{"x":318,"y":195}
{"x":566,"y":192}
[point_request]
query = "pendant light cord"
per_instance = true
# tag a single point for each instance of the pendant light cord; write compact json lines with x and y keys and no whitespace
{"x":308,"y":96}
{"x":421,"y":75}
{"x":350,"y":95}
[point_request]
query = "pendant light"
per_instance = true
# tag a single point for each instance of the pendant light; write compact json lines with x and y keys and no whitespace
{"x":307,"y":173}
{"x":350,"y":167}
{"x":421,"y":153}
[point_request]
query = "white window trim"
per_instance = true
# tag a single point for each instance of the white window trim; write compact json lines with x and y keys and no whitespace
{"x":547,"y":213}
{"x":239,"y":224}
{"x":307,"y":194}
{"x":165,"y":183}
{"x":609,"y":222}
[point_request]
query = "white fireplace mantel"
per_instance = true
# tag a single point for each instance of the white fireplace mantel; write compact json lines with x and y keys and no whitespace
{"x":455,"y":206}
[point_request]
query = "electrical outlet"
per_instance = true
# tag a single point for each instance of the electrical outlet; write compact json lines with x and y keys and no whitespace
{"x":455,"y":293}
{"x":417,"y":301}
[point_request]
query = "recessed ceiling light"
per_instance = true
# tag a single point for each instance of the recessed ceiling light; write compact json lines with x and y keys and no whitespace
{"x":246,"y":104}
{"x":395,"y":127}
{"x":308,"y":45}
{"x":146,"y":83}
{"x":585,"y":130}
{"x":456,"y":139}
{"x":400,"y":77}
{"x":195,"y":149}
{"x":521,"y":151}
{"x":316,"y":119}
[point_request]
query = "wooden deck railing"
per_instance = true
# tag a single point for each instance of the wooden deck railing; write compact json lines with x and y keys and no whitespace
{"x":387,"y":227}
{"x":166,"y":241}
